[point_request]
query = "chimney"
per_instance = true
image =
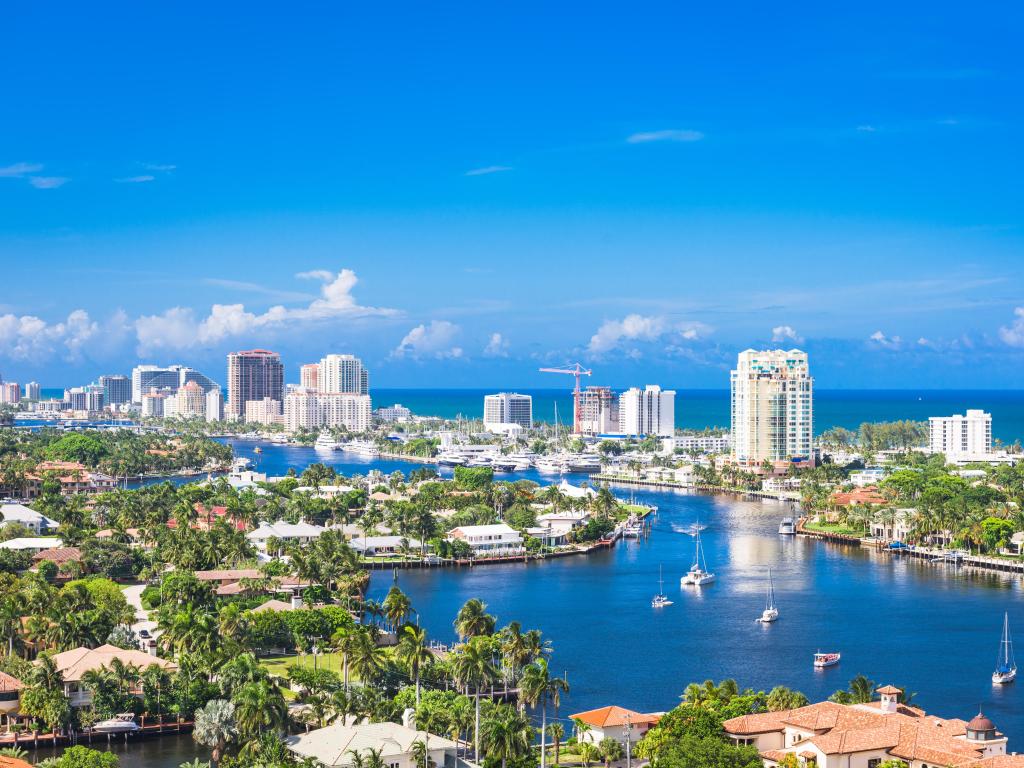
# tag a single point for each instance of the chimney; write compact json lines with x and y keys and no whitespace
{"x":409,"y":718}
{"x":296,"y":601}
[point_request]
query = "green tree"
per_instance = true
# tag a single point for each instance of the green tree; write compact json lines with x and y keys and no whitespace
{"x":215,"y":727}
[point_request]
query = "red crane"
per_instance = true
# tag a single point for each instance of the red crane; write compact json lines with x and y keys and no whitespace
{"x":576,"y":370}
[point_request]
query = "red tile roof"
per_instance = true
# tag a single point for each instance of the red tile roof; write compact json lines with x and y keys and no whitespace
{"x":612,"y":716}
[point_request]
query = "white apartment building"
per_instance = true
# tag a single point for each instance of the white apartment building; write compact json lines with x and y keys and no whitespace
{"x":32,"y":390}
{"x":305,"y":409}
{"x":215,"y":405}
{"x":703,"y":443}
{"x":497,"y":539}
{"x":508,"y":408}
{"x":190,"y":401}
{"x":772,"y":407}
{"x":342,"y":374}
{"x":153,"y":405}
{"x":599,"y":411}
{"x":265,"y":411}
{"x":647,"y":411}
{"x":393,"y":413}
{"x":961,"y":437}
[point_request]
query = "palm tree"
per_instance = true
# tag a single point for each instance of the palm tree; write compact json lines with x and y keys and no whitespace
{"x":611,"y":750}
{"x":367,"y":659}
{"x":412,"y":651}
{"x":397,"y":606}
{"x":374,"y":758}
{"x":581,"y":728}
{"x":343,"y":641}
{"x":587,"y":753}
{"x":259,"y":706}
{"x":473,"y":620}
{"x":472,"y":667}
{"x":507,"y":735}
{"x":557,"y":733}
{"x":421,"y":754}
{"x":215,"y":727}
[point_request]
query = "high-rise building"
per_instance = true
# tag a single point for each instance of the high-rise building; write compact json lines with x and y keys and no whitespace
{"x":10,"y":393}
{"x":191,"y":401}
{"x":75,"y":399}
{"x":32,"y":391}
{"x":309,"y":376}
{"x":647,"y":411}
{"x":185,"y":375}
{"x":147,"y":377}
{"x":253,"y":375}
{"x":215,"y":405}
{"x":153,"y":404}
{"x":306,"y":409}
{"x":961,"y":437}
{"x":343,"y":374}
{"x":599,"y":411}
{"x":772,"y":407}
{"x":508,"y":408}
{"x":116,"y":389}
{"x":94,"y":398}
{"x":263,"y":411}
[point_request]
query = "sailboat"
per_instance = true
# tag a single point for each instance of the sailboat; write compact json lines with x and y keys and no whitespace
{"x":770,"y":612}
{"x":1006,"y":667}
{"x":660,"y":600}
{"x":698,"y":574}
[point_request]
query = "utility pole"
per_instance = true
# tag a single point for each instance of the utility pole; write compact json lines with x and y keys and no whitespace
{"x":629,"y":742}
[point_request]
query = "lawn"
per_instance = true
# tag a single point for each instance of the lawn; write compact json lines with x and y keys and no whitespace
{"x":837,"y":528}
{"x":278,"y":665}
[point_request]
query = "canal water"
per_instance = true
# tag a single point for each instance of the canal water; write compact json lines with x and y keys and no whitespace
{"x":932,"y":629}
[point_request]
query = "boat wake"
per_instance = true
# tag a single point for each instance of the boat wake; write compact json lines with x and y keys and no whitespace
{"x":689,"y":530}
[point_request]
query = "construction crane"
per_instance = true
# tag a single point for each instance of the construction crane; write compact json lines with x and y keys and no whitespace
{"x":576,"y":370}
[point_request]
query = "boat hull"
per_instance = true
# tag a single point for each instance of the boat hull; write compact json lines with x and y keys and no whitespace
{"x":1003,"y":678}
{"x":768,"y":616}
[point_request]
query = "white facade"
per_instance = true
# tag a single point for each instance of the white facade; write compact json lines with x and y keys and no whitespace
{"x":497,"y":539}
{"x":394,"y":412}
{"x":190,"y":401}
{"x":961,"y":437}
{"x":265,"y":411}
{"x":342,"y":374}
{"x":772,"y":407}
{"x":34,"y":521}
{"x":32,"y":390}
{"x":508,"y":408}
{"x":647,"y":411}
{"x":337,"y":745}
{"x":305,"y":409}
{"x":301,"y":533}
{"x":703,"y":443}
{"x":153,"y":405}
{"x":215,"y":405}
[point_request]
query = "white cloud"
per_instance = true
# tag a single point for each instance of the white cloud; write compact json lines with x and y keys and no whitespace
{"x":1013,"y":335}
{"x":315,"y":274}
{"x":178,"y":328}
{"x":163,"y":168}
{"x":136,"y":179}
{"x":488,"y":169}
{"x":637,"y":327}
{"x":434,"y":340}
{"x":866,"y":128}
{"x":786,"y":333}
{"x":497,"y":346}
{"x":18,"y":170}
{"x":673,"y":134}
{"x":27,"y":337}
{"x":886,"y":342}
{"x":48,"y":182}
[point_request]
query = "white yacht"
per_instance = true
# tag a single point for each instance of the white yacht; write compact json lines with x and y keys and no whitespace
{"x":698,"y":574}
{"x":551,"y":465}
{"x":1006,"y":666}
{"x":123,"y":723}
{"x":451,"y":459}
{"x":770,"y":612}
{"x":503,"y":464}
{"x":787,"y":527}
{"x":324,"y":442}
{"x":361,"y":448}
{"x":583,"y":462}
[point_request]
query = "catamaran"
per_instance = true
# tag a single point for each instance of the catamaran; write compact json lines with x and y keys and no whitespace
{"x":1006,"y":667}
{"x":660,"y":600}
{"x":698,"y":574}
{"x":770,"y":612}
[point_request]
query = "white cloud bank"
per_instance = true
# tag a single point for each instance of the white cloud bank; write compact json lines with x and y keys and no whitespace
{"x":1013,"y":334}
{"x":434,"y":340}
{"x":672,"y":134}
{"x":786,"y":333}
{"x":612,"y":333}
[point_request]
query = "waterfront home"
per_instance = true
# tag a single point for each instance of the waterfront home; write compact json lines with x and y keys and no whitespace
{"x":893,"y":525}
{"x":497,"y":539}
{"x":206,"y":516}
{"x":72,"y":476}
{"x":869,"y":495}
{"x":301,"y":533}
{"x":324,"y":491}
{"x":831,"y":735}
{"x":10,"y":697}
{"x":571,"y":491}
{"x":613,"y":722}
{"x":31,"y":543}
{"x":780,"y":485}
{"x":18,"y":513}
{"x":73,"y":664}
{"x":336,"y":745}
{"x":375,"y":546}
{"x":868,"y":476}
{"x":231,"y":581}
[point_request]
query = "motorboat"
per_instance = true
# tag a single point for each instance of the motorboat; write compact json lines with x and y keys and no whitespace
{"x":787,"y":527}
{"x":822,"y":660}
{"x":123,"y":723}
{"x":582,"y":462}
{"x":451,"y":459}
{"x":324,"y":442}
{"x":361,"y":448}
{"x":633,"y":529}
{"x":698,"y":575}
{"x":770,"y":612}
{"x":551,"y":465}
{"x":660,"y":600}
{"x":1006,"y":667}
{"x":503,"y":464}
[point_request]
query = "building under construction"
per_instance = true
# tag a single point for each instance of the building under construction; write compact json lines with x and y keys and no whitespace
{"x":598,"y":412}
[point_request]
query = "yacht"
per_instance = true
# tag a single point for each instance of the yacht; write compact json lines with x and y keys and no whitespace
{"x":822,"y":660}
{"x":660,"y":600}
{"x":582,"y":462}
{"x":503,"y":464}
{"x":770,"y":612}
{"x":1006,"y":667}
{"x":633,"y":529}
{"x":787,"y":527}
{"x":123,"y":723}
{"x":698,"y":574}
{"x":551,"y":465}
{"x":479,"y":461}
{"x":521,"y":461}
{"x":451,"y":459}
{"x":324,"y":442}
{"x":361,"y":448}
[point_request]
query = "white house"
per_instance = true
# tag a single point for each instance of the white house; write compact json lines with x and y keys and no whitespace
{"x":868,"y":476}
{"x":335,"y":745}
{"x":34,"y":521}
{"x":32,"y":544}
{"x":301,"y":532}
{"x":382,"y":545}
{"x":898,"y":527}
{"x":497,"y":539}
{"x":615,"y":723}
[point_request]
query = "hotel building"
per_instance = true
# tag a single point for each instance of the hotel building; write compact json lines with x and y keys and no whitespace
{"x":254,"y":375}
{"x":342,"y":374}
{"x":508,"y":408}
{"x":647,"y":411}
{"x":961,"y":437}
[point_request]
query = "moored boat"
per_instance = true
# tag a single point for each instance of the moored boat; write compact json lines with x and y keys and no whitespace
{"x":698,"y":575}
{"x":787,"y":527}
{"x":822,"y":660}
{"x":660,"y":600}
{"x":770,"y":612}
{"x":1006,"y":666}
{"x":123,"y":723}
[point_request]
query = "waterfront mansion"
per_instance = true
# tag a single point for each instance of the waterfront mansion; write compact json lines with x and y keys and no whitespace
{"x":831,"y":735}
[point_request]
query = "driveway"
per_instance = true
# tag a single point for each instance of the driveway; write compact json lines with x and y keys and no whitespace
{"x":133,"y":594}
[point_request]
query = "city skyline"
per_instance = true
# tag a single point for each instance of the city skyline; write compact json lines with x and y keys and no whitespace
{"x":649,"y":194}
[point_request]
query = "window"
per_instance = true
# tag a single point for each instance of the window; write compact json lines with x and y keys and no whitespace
{"x":874,"y":762}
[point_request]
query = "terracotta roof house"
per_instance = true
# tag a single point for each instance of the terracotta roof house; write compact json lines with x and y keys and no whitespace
{"x":615,"y":722}
{"x":867,"y":495}
{"x":58,"y":555}
{"x":835,"y":735}
{"x":10,"y":694}
{"x":76,"y":662}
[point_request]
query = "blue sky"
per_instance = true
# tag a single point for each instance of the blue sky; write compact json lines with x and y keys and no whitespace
{"x":461,"y":193}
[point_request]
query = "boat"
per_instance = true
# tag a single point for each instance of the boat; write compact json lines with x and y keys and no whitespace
{"x":551,"y":465}
{"x":770,"y":612}
{"x":503,"y":465}
{"x":123,"y":723}
{"x":698,"y":575}
{"x":324,"y":442}
{"x":361,"y":448}
{"x":822,"y":660}
{"x":660,"y":600}
{"x":633,"y":529}
{"x":787,"y":527}
{"x":580,"y":462}
{"x":1006,"y":667}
